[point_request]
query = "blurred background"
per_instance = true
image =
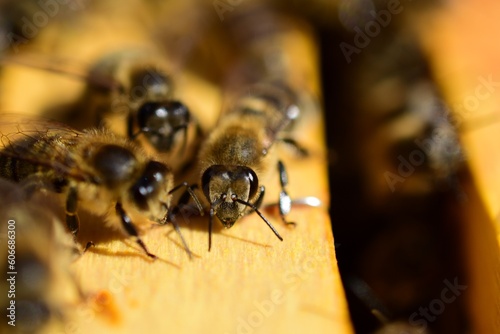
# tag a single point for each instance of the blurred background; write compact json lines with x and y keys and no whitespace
{"x":395,"y":170}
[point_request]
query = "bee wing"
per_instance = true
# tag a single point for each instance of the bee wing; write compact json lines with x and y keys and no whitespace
{"x":41,"y":142}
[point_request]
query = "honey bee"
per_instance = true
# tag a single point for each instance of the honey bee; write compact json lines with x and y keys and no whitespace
{"x":132,"y":94}
{"x":37,"y":253}
{"x":237,"y":154}
{"x":94,"y":167}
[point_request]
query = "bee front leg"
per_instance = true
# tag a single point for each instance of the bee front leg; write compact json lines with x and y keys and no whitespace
{"x":301,"y":151}
{"x":258,"y":201}
{"x":130,"y":228}
{"x":173,"y":212}
{"x":171,"y":218}
{"x":72,"y":220}
{"x":285,"y":203}
{"x":189,"y":191}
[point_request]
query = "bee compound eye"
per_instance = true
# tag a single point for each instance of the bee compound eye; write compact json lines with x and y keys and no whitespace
{"x":152,"y":115}
{"x":254,"y":182}
{"x":205,"y":183}
{"x":159,"y":114}
{"x":212,"y":175}
{"x":178,"y":110}
{"x":149,"y":184}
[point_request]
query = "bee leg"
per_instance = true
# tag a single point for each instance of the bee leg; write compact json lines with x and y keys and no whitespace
{"x":193,"y":147}
{"x":190,"y":191}
{"x":181,"y":205}
{"x":210,"y":223}
{"x":300,"y":150}
{"x":260,"y":199}
{"x":171,"y":218}
{"x":72,"y":220}
{"x":184,"y":129}
{"x":88,"y":245}
{"x":285,"y":203}
{"x":130,"y":228}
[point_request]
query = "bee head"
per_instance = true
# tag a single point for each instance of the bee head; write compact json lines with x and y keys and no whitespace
{"x":226,"y":187}
{"x":150,"y":192}
{"x":161,"y":121}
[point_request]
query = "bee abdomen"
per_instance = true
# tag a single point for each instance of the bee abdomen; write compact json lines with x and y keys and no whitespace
{"x":15,"y":169}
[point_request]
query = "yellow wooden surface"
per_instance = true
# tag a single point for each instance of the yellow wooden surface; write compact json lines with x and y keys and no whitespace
{"x":250,"y":282}
{"x":466,"y":57}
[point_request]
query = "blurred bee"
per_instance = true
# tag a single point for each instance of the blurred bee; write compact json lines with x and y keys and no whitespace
{"x":37,"y":253}
{"x":128,"y":81}
{"x":131,"y":94}
{"x":397,"y":175}
{"x":94,"y":167}
{"x":237,"y":155}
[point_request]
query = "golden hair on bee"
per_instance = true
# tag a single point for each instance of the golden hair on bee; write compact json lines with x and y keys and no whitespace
{"x":237,"y":154}
{"x":139,"y":102}
{"x":95,"y":168}
{"x":132,"y":93}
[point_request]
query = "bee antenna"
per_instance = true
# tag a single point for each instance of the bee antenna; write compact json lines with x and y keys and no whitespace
{"x":254,"y":208}
{"x":190,"y":190}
